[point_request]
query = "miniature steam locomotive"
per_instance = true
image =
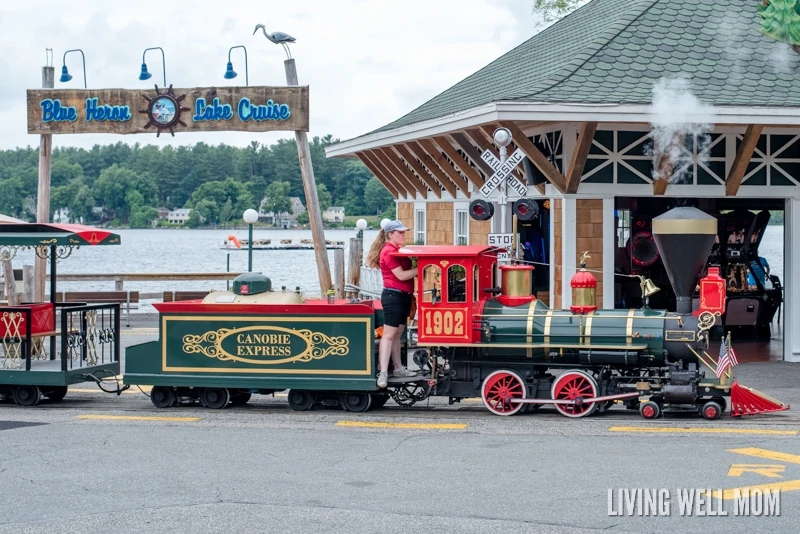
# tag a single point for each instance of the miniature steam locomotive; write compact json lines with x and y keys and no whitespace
{"x":475,"y":341}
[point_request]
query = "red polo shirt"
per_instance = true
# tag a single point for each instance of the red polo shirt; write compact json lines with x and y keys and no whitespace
{"x":388,"y":263}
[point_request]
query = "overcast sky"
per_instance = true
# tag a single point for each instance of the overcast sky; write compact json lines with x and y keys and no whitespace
{"x":366,"y":62}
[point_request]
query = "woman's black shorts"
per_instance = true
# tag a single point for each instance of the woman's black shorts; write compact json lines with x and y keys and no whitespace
{"x":396,"y":307}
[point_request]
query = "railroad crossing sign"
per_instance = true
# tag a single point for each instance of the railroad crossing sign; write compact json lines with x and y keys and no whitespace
{"x":502,"y":171}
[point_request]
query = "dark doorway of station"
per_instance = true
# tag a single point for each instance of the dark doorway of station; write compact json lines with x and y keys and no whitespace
{"x":748,"y":251}
{"x":534,"y":243}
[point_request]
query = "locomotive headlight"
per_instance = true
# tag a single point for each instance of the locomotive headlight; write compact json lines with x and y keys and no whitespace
{"x":502,"y":137}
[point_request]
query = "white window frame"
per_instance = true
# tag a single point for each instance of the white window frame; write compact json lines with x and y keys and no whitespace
{"x":461,"y":212}
{"x":419,"y":225}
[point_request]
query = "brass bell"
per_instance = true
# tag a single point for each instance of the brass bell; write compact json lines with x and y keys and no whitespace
{"x":649,"y":288}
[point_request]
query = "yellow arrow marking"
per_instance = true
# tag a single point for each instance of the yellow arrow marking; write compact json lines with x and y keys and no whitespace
{"x":789,"y":485}
{"x":767,"y":470}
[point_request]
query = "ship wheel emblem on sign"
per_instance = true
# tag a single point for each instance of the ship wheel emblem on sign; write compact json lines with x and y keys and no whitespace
{"x":503,"y":167}
{"x":164,"y":111}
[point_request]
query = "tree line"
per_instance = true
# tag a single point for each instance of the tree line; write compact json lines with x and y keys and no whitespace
{"x":128,"y":183}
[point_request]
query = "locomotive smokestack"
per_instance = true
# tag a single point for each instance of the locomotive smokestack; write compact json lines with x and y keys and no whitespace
{"x":684,"y":237}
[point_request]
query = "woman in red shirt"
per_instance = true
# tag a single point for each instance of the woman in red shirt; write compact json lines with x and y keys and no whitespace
{"x":398,"y":289}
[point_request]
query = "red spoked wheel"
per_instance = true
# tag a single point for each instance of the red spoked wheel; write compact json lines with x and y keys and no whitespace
{"x":498,"y":390}
{"x":575,"y":385}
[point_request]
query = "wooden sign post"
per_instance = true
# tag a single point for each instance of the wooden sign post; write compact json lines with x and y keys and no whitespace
{"x":43,"y":191}
{"x":312,"y":202}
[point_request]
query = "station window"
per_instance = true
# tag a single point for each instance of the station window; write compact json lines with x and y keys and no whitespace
{"x":462,"y":228}
{"x":419,"y":227}
{"x":456,"y":283}
{"x":623,"y":227}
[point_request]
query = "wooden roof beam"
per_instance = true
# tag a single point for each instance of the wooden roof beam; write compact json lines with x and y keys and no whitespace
{"x":427,"y":146}
{"x":578,"y":161}
{"x":387,"y":183}
{"x":468,"y":144}
{"x":420,"y":184}
{"x":742,"y":159}
{"x":427,"y":162}
{"x":463,"y":165}
{"x":400,"y":176}
{"x":540,"y":161}
{"x":428,"y":177}
{"x":666,"y":165}
{"x":398,"y":183}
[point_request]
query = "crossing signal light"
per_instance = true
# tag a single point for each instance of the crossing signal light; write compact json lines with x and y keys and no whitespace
{"x":525,"y":209}
{"x":480,"y":210}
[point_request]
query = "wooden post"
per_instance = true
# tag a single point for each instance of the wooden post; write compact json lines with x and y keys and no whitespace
{"x":354,"y":265}
{"x":11,"y":284}
{"x":28,"y":278}
{"x":338,"y":270}
{"x":310,"y":186}
{"x":43,"y":196}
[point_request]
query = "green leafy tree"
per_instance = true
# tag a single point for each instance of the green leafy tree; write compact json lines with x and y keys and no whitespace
{"x":324,"y":198}
{"x":302,"y":218}
{"x":376,"y":197}
{"x":144,"y":217}
{"x":781,"y":21}
{"x":553,"y":10}
{"x":276,"y":199}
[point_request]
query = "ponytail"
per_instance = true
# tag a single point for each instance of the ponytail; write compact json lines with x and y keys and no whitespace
{"x":373,"y":258}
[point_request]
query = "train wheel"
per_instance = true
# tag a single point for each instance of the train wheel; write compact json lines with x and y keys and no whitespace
{"x":711,"y":410}
{"x":216,"y":398}
{"x":163,"y":397}
{"x":650,"y":410}
{"x":721,"y":402}
{"x":356,"y":401}
{"x":301,"y":399}
{"x":27,"y":395}
{"x":56,"y":394}
{"x":574,"y":385}
{"x":499,"y":388}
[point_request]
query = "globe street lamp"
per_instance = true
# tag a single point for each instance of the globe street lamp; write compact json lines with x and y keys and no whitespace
{"x":250,"y":216}
{"x":361,"y":224}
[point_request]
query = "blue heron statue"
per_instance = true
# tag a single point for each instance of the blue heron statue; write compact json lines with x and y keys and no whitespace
{"x":280,"y":38}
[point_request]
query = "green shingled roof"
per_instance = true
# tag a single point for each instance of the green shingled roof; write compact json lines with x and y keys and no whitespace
{"x":614,"y":51}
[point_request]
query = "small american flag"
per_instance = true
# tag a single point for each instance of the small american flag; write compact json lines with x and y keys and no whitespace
{"x":732,"y":355}
{"x":724,"y":359}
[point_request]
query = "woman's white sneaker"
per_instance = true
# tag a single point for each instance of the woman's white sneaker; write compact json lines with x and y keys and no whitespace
{"x":383,"y":380}
{"x":403,"y":372}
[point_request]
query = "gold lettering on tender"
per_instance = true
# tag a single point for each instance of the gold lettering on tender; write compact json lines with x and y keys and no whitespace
{"x":263,"y":345}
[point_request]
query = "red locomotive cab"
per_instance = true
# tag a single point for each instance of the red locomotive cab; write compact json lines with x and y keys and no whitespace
{"x":451,"y":284}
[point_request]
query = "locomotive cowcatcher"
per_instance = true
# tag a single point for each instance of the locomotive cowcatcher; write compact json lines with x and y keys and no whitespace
{"x":474,"y":339}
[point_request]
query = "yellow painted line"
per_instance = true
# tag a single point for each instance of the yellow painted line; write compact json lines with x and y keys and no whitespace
{"x":427,"y":426}
{"x":789,"y":485}
{"x":677,"y":430}
{"x":767,"y":470}
{"x":138,"y":418}
{"x":770,"y":455}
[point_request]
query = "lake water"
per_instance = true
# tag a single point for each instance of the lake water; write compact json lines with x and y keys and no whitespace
{"x":188,"y":251}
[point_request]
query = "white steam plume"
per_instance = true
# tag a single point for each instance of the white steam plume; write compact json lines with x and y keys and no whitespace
{"x":678,"y":117}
